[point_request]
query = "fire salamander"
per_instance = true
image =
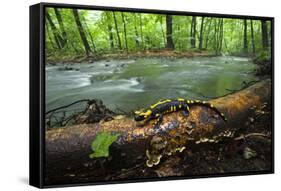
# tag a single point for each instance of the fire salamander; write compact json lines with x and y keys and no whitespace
{"x":157,"y":110}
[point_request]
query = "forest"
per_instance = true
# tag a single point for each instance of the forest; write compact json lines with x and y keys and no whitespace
{"x":72,"y":33}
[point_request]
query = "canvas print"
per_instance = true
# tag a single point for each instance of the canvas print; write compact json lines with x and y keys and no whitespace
{"x":148,"y":96}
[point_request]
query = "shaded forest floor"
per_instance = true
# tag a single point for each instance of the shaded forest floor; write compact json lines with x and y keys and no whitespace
{"x":55,"y":59}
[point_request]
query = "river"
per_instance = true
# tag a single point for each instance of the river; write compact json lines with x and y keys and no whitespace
{"x":134,"y":83}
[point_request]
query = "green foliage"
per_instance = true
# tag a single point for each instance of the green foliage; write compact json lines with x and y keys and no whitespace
{"x":262,"y":57}
{"x":100,"y":145}
{"x":147,"y":32}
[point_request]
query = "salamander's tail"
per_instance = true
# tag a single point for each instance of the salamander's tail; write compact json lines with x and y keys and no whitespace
{"x":206,"y":104}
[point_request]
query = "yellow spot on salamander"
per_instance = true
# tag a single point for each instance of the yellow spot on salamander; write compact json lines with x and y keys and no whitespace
{"x":211,"y":105}
{"x":160,"y":102}
{"x":147,"y":113}
{"x":180,"y":99}
{"x":175,"y":108}
{"x":180,"y":106}
{"x":188,"y":101}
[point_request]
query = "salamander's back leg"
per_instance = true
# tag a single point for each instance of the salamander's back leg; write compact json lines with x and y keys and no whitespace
{"x":185,"y":113}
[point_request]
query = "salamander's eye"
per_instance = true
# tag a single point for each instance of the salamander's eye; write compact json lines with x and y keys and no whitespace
{"x":139,"y":116}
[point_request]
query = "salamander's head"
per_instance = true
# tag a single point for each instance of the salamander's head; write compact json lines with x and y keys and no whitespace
{"x":142,"y":114}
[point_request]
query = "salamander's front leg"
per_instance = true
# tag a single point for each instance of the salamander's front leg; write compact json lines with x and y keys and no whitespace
{"x":158,"y":121}
{"x":185,"y":110}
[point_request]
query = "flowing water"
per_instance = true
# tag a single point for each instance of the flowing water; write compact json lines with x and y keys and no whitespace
{"x":134,"y":83}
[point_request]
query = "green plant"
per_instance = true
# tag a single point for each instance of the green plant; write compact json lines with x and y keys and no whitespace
{"x":100,"y":145}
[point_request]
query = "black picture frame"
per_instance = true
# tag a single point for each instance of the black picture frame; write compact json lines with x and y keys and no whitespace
{"x":37,"y":91}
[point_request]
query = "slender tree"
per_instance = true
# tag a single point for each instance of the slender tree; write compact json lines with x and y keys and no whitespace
{"x":57,"y":37}
{"x":117,"y":31}
{"x":136,"y":31}
{"x":245,"y":47}
{"x":264,"y":34}
{"x":109,"y":29}
{"x":125,"y":31}
{"x":201,"y":33}
{"x":60,"y":21}
{"x":141,"y":32}
{"x":169,"y":32}
{"x":220,"y":36}
{"x":193,"y":32}
{"x":208,"y":32}
{"x":81,"y":32}
{"x":88,"y":32}
{"x":253,"y":38}
{"x":49,"y":36}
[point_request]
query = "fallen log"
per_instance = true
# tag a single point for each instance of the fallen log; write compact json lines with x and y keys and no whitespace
{"x":140,"y":147}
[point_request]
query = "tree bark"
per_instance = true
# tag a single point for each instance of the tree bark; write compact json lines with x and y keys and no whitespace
{"x":169,"y":32}
{"x":67,"y":149}
{"x":81,"y":32}
{"x":201,"y":34}
{"x":117,"y":31}
{"x":88,"y":32}
{"x":136,"y":32}
{"x":193,"y":32}
{"x":125,"y":31}
{"x":110,"y":33}
{"x":264,"y":34}
{"x":57,"y":37}
{"x":141,"y":32}
{"x":60,"y":21}
{"x":253,"y":38}
{"x":245,"y":37}
{"x":221,"y":36}
{"x":208,"y":32}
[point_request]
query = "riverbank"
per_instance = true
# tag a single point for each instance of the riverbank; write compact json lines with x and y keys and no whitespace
{"x":139,"y":54}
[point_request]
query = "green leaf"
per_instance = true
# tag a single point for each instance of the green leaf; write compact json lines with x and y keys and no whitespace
{"x":100,"y":145}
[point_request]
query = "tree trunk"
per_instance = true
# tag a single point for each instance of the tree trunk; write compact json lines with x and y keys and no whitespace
{"x":125,"y":31}
{"x":245,"y":37}
{"x":60,"y":21}
{"x":264,"y":34}
{"x":162,"y":29}
{"x":117,"y":31}
{"x":193,"y":32}
{"x":141,"y":32}
{"x":81,"y":32}
{"x":136,"y":32}
{"x":49,"y":36}
{"x":57,"y":37}
{"x":221,"y":36}
{"x":88,"y":32}
{"x":67,"y":149}
{"x":253,"y":38}
{"x":110,"y":33}
{"x":201,"y":33}
{"x":169,"y":32}
{"x":208,"y":32}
